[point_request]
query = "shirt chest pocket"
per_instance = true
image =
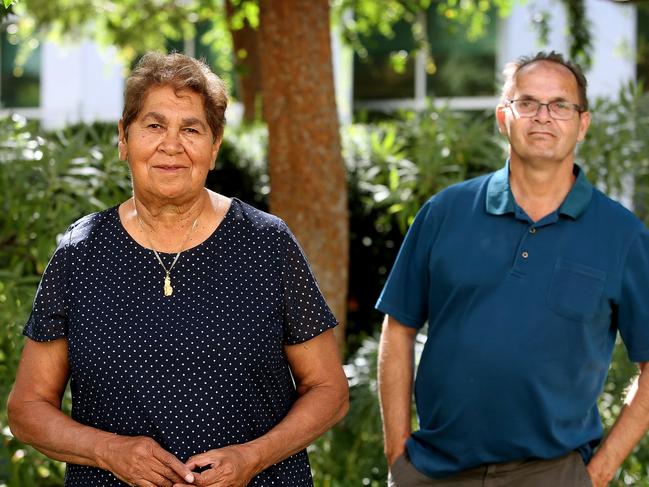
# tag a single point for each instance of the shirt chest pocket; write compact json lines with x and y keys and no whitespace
{"x":575,"y":290}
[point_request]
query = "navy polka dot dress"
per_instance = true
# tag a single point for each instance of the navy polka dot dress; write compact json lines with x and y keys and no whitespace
{"x":198,"y":370}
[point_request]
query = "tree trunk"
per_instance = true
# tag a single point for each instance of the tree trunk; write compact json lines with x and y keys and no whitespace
{"x":245,"y":42}
{"x":307,"y":173}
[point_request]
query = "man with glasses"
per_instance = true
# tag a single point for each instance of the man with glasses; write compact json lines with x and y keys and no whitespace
{"x":524,"y":276}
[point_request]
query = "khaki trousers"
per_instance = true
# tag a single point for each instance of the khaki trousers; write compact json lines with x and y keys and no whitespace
{"x":566,"y":471}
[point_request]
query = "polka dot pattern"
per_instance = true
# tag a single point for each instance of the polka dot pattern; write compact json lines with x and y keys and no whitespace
{"x":201,"y":369}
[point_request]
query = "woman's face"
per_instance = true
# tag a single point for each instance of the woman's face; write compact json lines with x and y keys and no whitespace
{"x":170,"y":147}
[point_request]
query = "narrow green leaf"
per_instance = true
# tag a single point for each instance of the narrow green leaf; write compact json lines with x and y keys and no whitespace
{"x":394,"y":180}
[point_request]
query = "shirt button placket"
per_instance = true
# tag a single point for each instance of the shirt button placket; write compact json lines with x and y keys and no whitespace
{"x":525,"y":254}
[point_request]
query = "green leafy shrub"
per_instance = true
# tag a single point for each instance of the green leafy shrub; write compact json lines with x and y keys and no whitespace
{"x":615,"y":154}
{"x":394,"y":167}
{"x":352,"y":452}
{"x":48,"y":180}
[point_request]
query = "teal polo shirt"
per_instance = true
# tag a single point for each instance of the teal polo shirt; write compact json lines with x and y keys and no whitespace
{"x":522,"y":318}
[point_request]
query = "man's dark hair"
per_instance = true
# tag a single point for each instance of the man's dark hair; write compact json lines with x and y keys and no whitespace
{"x":511,"y":71}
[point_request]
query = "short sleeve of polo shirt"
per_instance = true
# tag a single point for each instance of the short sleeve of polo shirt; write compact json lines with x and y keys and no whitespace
{"x":306,"y":313}
{"x":405,"y":295}
{"x":633,"y":307}
{"x":49,"y":316}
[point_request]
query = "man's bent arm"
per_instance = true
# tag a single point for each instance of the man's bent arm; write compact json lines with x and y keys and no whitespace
{"x":395,"y":375}
{"x":628,"y":430}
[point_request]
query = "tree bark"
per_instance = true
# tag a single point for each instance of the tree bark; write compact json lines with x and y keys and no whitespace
{"x":307,"y":173}
{"x":245,"y":42}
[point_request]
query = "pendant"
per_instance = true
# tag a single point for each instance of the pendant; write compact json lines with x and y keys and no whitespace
{"x":168,"y":290}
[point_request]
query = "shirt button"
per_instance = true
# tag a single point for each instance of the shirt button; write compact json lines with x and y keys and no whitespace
{"x":532,"y":230}
{"x":525,"y":254}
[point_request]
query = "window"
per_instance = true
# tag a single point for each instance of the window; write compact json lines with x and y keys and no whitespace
{"x":374,"y":77}
{"x":461,"y":68}
{"x":19,"y":85}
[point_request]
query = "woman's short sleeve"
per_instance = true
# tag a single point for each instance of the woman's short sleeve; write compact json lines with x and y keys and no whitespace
{"x":306,"y":313}
{"x":49,"y":318}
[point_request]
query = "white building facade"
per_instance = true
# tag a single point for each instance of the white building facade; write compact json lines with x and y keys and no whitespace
{"x":84,"y":83}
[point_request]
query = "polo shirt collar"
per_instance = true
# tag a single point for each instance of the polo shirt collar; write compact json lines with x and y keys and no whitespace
{"x":500,"y":199}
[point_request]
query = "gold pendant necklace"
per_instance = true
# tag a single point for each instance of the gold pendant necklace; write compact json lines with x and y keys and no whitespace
{"x":167,"y":289}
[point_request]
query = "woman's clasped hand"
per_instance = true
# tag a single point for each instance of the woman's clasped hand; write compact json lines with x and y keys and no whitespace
{"x":231,"y":466}
{"x":141,"y":461}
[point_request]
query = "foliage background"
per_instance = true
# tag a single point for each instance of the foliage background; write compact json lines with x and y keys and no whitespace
{"x":50,"y":179}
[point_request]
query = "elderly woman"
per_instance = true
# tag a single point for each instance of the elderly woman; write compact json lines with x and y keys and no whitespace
{"x":199,"y":348}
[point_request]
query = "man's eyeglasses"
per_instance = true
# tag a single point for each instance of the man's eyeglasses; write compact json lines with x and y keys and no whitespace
{"x":559,"y":110}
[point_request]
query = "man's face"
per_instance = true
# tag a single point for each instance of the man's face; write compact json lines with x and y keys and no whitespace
{"x":541,"y":139}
